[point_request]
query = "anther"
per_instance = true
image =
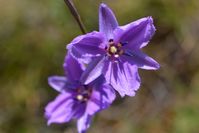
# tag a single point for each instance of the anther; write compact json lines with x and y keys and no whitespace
{"x":123,"y":43}
{"x":85,"y":99}
{"x":116,"y":55}
{"x":80,"y":97}
{"x":119,"y":45}
{"x":111,"y":40}
{"x":113,"y":49}
{"x":121,"y":52}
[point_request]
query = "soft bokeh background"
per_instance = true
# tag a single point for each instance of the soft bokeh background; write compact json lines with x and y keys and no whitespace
{"x":33,"y":36}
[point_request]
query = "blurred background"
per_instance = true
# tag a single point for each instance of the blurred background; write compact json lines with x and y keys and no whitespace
{"x":33,"y":37}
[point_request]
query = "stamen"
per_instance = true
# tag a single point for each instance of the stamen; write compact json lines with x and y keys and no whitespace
{"x":111,"y":40}
{"x":85,"y":99}
{"x":119,"y":45}
{"x":123,"y":43}
{"x":121,"y":52}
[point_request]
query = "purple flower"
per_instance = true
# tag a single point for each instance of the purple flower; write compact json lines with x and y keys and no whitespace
{"x":115,"y":51}
{"x":76,"y":100}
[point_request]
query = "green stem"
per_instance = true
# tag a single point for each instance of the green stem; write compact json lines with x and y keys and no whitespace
{"x":76,"y":15}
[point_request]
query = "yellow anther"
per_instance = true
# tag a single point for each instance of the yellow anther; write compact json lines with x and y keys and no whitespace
{"x":113,"y":49}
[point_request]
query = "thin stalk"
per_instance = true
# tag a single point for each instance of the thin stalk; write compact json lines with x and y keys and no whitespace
{"x":76,"y":15}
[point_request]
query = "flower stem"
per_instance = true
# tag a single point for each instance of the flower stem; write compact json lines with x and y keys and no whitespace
{"x":76,"y":15}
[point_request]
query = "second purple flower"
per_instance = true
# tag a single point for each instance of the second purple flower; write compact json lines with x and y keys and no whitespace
{"x":77,"y":100}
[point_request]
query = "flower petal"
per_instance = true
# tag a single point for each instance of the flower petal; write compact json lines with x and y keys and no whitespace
{"x":72,"y":68}
{"x":102,"y":96}
{"x":59,"y":110}
{"x":108,"y":94}
{"x":63,"y":109}
{"x":107,"y":21}
{"x":83,"y":123}
{"x":60,"y":83}
{"x":93,"y":71}
{"x":136,"y":34}
{"x":123,"y":76}
{"x":87,"y":46}
{"x":101,"y":99}
{"x":142,"y":60}
{"x":78,"y":109}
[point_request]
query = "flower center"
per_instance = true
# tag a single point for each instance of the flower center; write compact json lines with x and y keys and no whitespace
{"x":83,"y":94}
{"x":114,"y":50}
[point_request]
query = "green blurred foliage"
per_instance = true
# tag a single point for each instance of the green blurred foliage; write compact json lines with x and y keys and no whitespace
{"x":33,"y":37}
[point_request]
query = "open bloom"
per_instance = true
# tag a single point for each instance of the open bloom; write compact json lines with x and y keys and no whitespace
{"x":77,"y":100}
{"x":115,"y":51}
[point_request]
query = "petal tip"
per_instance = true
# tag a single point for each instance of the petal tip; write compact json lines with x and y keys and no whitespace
{"x":103,"y":8}
{"x":50,"y":80}
{"x":150,"y":20}
{"x":103,"y":5}
{"x":132,"y":94}
{"x":49,"y":123}
{"x":157,"y":66}
{"x":68,"y":47}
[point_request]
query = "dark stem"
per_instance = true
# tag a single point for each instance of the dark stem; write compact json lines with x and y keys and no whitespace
{"x":75,"y":14}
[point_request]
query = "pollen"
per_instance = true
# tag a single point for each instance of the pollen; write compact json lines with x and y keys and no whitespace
{"x":80,"y":97}
{"x":113,"y":49}
{"x":116,"y":55}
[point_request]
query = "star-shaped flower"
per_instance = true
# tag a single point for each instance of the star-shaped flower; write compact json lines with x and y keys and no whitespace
{"x":115,"y":51}
{"x":77,"y":100}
